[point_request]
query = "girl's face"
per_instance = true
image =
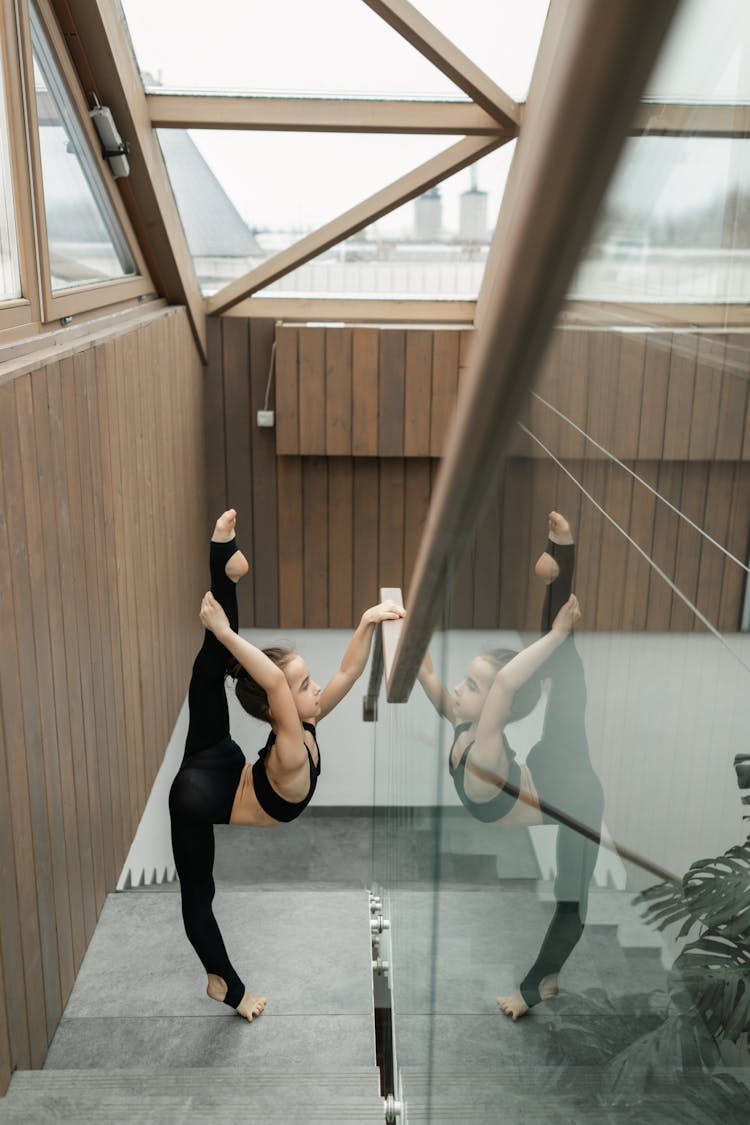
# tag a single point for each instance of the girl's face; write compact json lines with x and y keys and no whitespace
{"x":305,"y":692}
{"x":471,"y":693}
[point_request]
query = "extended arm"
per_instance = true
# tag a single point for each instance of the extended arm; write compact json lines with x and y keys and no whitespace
{"x":437,"y":693}
{"x":355,"y":658}
{"x":256,"y":664}
{"x":488,"y":747}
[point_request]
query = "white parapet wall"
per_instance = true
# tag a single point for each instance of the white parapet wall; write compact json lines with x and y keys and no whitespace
{"x":665,"y":715}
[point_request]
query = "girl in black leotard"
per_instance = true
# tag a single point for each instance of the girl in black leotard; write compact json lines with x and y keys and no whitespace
{"x":214,"y":784}
{"x":503,"y":686}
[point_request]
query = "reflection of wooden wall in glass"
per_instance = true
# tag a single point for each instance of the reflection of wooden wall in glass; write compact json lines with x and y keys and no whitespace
{"x":346,"y":476}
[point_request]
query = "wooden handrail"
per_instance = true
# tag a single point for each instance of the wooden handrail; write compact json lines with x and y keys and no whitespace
{"x":593,"y":62}
{"x":384,"y":648}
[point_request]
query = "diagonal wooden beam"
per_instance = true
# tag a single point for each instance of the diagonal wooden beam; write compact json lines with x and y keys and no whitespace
{"x":420,"y":179}
{"x":329,"y":115}
{"x":578,"y":116}
{"x":99,"y":45}
{"x":404,"y":18}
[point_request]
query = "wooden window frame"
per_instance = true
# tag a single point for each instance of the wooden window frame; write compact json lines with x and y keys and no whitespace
{"x":18,"y":312}
{"x":82,"y":298}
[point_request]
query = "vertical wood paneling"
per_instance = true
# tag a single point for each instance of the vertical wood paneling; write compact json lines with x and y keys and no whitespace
{"x":88,"y":590}
{"x":392,"y":366}
{"x":39,"y":724}
{"x":417,"y":392}
{"x":213,"y":420}
{"x":689,"y":543}
{"x":338,"y":396}
{"x":365,"y":394}
{"x":444,"y":388}
{"x":93,"y":544}
{"x":311,"y":346}
{"x":238,"y":437}
{"x":664,"y":552}
{"x":416,"y":506}
{"x":26,"y":993}
{"x":731,"y":426}
{"x":341,"y":612}
{"x":315,"y":517}
{"x":733,"y":586}
{"x":264,"y":515}
{"x":60,"y":782}
{"x":367,"y":578}
{"x":391,"y":523}
{"x":286,"y":378}
{"x":654,"y":402}
{"x":290,"y":549}
{"x":678,"y":421}
{"x":714,"y":567}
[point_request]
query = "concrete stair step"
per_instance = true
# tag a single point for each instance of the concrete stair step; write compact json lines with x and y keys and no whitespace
{"x":534,"y":1094}
{"x":194,"y":1096}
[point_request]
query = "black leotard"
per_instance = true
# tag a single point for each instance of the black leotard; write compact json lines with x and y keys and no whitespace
{"x":204,"y":789}
{"x":497,"y":807}
{"x":268,"y":799}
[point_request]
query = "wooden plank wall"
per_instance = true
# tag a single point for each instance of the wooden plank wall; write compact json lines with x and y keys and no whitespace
{"x":339,"y":492}
{"x":102,"y":562}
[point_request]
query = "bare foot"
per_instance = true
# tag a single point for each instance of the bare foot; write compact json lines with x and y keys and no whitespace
{"x":558,"y":530}
{"x":249,"y":1007}
{"x":548,"y":987}
{"x":515,"y":1006}
{"x":237,"y":566}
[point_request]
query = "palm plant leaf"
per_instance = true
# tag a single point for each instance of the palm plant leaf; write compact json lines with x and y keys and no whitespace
{"x":716,"y":972}
{"x":714,"y":893}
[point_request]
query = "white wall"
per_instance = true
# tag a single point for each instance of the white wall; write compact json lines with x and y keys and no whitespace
{"x":666,"y":714}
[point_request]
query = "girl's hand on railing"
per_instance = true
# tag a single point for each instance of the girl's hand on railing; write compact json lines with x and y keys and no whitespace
{"x":384,"y":611}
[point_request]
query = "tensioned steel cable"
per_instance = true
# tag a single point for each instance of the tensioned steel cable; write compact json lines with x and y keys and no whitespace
{"x":640,"y":480}
{"x":683,"y":597}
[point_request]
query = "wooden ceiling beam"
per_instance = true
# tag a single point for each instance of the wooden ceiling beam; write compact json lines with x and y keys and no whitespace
{"x":329,"y":115}
{"x":99,"y":45}
{"x":420,"y":179}
{"x":438,"y":49}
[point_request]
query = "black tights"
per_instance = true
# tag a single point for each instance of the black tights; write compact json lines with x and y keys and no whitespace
{"x":565,"y":779}
{"x":203,"y":791}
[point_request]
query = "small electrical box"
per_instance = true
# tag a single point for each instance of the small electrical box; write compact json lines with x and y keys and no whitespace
{"x":266,"y":419}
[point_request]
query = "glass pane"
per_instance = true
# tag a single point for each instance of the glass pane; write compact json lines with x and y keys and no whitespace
{"x":86,"y":243}
{"x":245,"y":196}
{"x":500,"y":36}
{"x":292,"y":47}
{"x":10,"y":276}
{"x":434,"y":247}
{"x":706,"y":57}
{"x":628,"y":1005}
{"x":675,"y":224}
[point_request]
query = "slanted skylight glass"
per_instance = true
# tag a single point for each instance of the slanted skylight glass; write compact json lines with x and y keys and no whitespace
{"x":675,"y":224}
{"x":435,"y":247}
{"x":10,"y":275}
{"x":706,"y":57}
{"x":244,"y":196}
{"x":86,"y":243}
{"x":334,"y":47}
{"x":501,"y":36}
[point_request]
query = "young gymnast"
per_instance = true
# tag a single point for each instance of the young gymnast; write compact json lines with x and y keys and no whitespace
{"x":214,"y":784}
{"x":500,"y":687}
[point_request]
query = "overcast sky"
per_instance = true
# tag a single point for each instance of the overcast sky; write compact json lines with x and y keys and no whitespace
{"x":342,"y":47}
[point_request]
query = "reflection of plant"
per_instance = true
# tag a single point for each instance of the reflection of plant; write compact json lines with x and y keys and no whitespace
{"x":664,"y":1075}
{"x":714,"y":894}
